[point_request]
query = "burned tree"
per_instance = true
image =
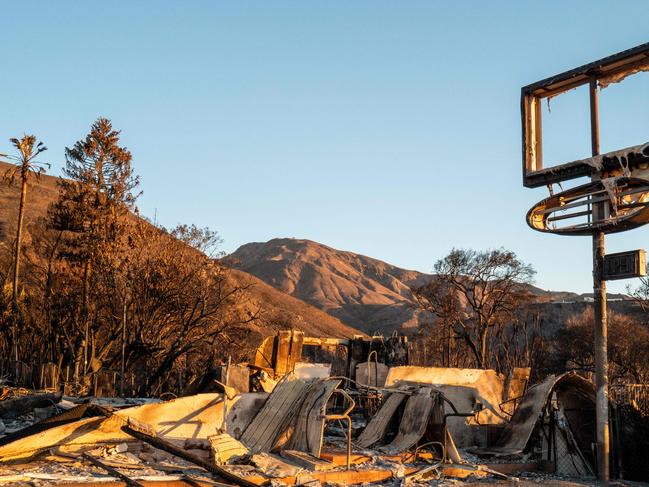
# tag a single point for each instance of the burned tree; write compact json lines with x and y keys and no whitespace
{"x":28,"y":149}
{"x":628,"y":350}
{"x":102,"y":289}
{"x":181,"y":301}
{"x":640,"y":295}
{"x":93,"y":212}
{"x":473,"y":295}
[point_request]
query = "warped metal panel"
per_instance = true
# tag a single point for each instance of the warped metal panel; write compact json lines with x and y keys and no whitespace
{"x":309,"y":425}
{"x":518,"y":431}
{"x":275,"y":415}
{"x":375,"y":429}
{"x":413,"y":422}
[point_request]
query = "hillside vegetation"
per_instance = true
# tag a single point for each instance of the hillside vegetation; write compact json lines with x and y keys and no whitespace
{"x":89,"y":285}
{"x":274,"y":309}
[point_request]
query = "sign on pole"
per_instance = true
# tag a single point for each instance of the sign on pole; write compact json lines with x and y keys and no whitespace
{"x":625,"y":265}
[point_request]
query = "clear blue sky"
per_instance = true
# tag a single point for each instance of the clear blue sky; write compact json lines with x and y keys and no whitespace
{"x":387,"y":128}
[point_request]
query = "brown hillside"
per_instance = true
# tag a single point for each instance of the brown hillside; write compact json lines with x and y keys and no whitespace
{"x":365,"y":293}
{"x":276,"y":310}
{"x":41,"y":192}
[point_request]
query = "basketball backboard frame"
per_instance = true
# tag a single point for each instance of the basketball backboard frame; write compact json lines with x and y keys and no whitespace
{"x":605,"y":71}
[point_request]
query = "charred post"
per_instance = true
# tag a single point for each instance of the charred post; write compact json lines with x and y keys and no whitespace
{"x":599,"y":295}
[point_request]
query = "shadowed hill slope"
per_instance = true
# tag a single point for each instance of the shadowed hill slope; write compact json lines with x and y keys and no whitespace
{"x":278,"y":311}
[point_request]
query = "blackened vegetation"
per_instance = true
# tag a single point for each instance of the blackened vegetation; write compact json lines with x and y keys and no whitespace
{"x":632,"y":438}
{"x":480,"y":303}
{"x":485,"y":317}
{"x":101,"y":288}
{"x":628,"y":350}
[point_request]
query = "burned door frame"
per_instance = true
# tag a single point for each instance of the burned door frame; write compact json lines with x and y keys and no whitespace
{"x":279,"y":353}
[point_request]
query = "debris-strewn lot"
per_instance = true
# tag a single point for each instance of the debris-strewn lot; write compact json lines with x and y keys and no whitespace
{"x":300,"y":425}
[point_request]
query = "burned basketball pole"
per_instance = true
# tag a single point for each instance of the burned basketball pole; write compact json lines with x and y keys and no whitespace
{"x":615,"y":200}
{"x":599,"y":298}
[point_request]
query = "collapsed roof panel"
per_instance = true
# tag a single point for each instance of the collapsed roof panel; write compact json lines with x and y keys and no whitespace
{"x":187,"y":417}
{"x":518,"y":431}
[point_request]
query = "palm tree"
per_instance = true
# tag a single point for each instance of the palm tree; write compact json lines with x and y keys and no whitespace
{"x":25,"y":163}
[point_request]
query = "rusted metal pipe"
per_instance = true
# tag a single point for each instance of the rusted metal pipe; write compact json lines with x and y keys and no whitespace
{"x":344,"y":416}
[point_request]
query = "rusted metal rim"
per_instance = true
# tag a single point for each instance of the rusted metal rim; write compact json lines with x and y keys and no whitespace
{"x":626,"y":199}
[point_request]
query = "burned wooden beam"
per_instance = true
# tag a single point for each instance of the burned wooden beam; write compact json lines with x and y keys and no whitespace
{"x":308,"y":461}
{"x":186,"y":482}
{"x":115,"y":473}
{"x":141,"y":433}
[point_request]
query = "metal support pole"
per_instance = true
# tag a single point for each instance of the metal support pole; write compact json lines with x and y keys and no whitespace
{"x":599,"y":295}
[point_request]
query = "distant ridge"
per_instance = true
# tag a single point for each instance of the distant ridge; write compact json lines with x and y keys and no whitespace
{"x":362,"y":292}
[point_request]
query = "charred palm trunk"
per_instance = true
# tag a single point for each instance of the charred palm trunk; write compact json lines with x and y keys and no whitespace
{"x":19,"y":236}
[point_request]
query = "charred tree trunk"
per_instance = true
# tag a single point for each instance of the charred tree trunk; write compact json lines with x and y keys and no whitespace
{"x":19,"y":237}
{"x":16,"y":268}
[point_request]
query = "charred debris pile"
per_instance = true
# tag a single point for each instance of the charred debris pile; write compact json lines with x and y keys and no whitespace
{"x":316,"y":411}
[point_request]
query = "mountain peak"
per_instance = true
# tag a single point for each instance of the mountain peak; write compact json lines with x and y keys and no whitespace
{"x":361,"y":291}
